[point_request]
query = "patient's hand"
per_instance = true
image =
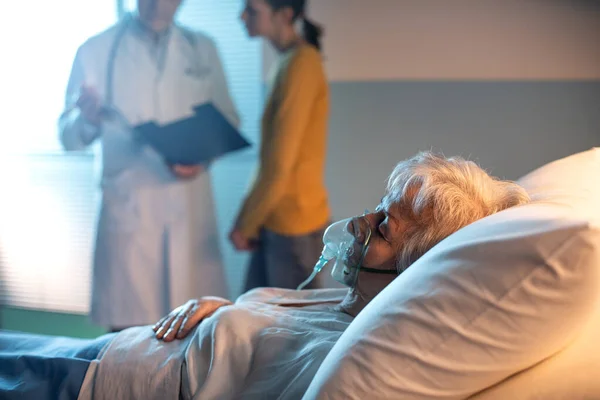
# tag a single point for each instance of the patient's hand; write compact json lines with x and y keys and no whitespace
{"x":179,"y":323}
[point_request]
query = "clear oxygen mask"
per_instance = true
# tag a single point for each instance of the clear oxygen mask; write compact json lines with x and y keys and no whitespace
{"x":343,"y":250}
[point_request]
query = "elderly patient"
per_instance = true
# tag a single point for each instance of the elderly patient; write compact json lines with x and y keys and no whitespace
{"x":270,"y":342}
{"x":428,"y":197}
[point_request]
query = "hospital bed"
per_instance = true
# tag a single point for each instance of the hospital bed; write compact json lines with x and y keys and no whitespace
{"x":506,"y":308}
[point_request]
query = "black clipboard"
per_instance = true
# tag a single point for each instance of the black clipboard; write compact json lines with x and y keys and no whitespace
{"x":205,"y":136}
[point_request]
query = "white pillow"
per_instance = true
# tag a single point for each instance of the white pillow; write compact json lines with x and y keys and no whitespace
{"x":572,"y":374}
{"x":491,"y":300}
{"x":569,"y":374}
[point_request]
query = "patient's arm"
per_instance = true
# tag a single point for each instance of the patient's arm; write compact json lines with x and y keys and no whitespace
{"x":180,"y":322}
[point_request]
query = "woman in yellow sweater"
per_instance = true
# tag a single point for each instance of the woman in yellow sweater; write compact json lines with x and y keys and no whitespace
{"x":286,"y":210}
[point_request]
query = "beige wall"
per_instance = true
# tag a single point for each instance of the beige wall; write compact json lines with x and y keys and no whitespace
{"x":370,"y":40}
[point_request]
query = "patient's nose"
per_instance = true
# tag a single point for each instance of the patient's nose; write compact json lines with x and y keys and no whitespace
{"x":356,"y":227}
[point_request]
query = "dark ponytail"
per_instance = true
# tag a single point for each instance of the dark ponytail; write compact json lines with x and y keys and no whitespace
{"x":312,"y":32}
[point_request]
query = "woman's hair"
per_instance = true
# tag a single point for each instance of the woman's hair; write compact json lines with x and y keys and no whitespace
{"x":310,"y":31}
{"x":443,"y":195}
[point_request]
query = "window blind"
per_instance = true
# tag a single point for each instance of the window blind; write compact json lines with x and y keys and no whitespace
{"x":48,"y":202}
{"x":47,"y":213}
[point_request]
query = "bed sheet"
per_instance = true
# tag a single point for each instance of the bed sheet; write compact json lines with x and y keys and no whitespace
{"x":268,"y":345}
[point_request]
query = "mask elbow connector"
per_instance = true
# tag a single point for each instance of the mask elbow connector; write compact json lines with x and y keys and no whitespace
{"x":318,"y":267}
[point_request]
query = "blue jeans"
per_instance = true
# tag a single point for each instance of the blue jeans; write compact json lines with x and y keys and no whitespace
{"x":36,"y":367}
{"x":285,"y":261}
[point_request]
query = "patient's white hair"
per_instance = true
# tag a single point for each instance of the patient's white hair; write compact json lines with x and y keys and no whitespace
{"x":444,"y":195}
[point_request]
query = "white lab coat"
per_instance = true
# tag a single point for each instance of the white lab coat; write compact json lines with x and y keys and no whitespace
{"x":157,"y":243}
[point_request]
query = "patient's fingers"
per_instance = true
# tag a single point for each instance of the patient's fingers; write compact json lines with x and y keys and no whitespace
{"x":165,"y":321}
{"x":176,"y":323}
{"x":194,"y":317}
{"x":189,"y":324}
{"x":160,"y":322}
{"x":164,"y":328}
{"x":199,"y":313}
{"x":185,"y":328}
{"x":185,"y":318}
{"x":174,"y":327}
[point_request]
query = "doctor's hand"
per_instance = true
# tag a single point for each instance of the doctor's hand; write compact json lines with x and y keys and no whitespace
{"x":90,"y":104}
{"x":180,"y":322}
{"x":187,"y":171}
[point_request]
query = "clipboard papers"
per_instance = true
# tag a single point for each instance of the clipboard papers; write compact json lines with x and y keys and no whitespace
{"x":205,"y":136}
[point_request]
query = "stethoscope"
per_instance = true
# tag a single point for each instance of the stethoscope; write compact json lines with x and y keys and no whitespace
{"x":109,"y":107}
{"x":112,"y":57}
{"x":109,"y":104}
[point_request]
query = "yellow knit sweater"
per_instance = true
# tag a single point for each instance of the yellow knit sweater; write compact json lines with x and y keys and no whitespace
{"x":288,"y":195}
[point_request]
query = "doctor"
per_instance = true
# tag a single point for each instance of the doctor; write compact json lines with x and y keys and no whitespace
{"x":157,"y":242}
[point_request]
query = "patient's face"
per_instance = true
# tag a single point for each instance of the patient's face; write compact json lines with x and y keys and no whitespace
{"x":388,"y":226}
